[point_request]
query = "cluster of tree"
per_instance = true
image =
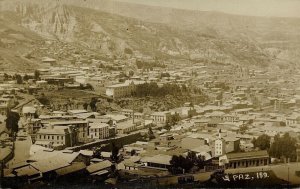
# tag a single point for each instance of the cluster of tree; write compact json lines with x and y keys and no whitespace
{"x":173,"y":120}
{"x":262,"y":142}
{"x":92,"y":104}
{"x":20,"y":79}
{"x":284,"y":147}
{"x":149,"y":65}
{"x":152,"y":89}
{"x":180,"y":164}
{"x":12,"y":121}
{"x":44,"y":100}
{"x":281,"y":147}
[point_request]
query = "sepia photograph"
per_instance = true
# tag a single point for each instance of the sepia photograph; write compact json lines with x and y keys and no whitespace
{"x":149,"y":94}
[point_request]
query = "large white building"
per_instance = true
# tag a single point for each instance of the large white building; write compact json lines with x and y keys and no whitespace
{"x":123,"y":89}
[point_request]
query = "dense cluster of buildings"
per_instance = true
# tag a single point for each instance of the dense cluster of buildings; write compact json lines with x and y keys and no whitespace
{"x":243,"y":104}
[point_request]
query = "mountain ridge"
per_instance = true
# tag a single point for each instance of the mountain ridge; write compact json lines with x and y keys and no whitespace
{"x":110,"y":34}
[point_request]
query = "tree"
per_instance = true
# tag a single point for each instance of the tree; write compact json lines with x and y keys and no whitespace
{"x":5,"y":76}
{"x":284,"y":146}
{"x":151,"y":134}
{"x":12,"y":121}
{"x":243,"y":129}
{"x":173,"y":120}
{"x":89,"y":86}
{"x":180,"y":164}
{"x":114,"y":152}
{"x":132,"y":152}
{"x":44,"y":100}
{"x":85,"y":105}
{"x":19,"y":79}
{"x":93,"y":104}
{"x":26,"y":77}
{"x":37,"y":75}
{"x":130,"y":73}
{"x":262,"y":142}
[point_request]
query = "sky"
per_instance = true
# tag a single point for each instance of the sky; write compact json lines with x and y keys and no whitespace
{"x":269,"y":8}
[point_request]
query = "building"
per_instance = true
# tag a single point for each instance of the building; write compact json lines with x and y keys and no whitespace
{"x":33,"y":126}
{"x":220,"y":147}
{"x":130,"y":113}
{"x":160,"y":161}
{"x":161,"y":117}
{"x":120,"y":90}
{"x":127,"y":127}
{"x":98,"y":130}
{"x":244,"y":159}
{"x":99,"y":169}
{"x":57,"y":137}
{"x":82,"y":128}
{"x":29,"y":112}
{"x":123,"y":89}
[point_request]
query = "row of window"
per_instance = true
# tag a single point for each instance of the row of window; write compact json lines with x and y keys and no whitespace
{"x":50,"y":137}
{"x":250,"y":162}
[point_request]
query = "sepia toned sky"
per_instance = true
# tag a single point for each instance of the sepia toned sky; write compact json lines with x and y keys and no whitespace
{"x":270,"y":8}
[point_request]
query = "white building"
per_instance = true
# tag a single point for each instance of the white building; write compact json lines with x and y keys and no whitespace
{"x":161,"y":117}
{"x":123,"y":89}
{"x":98,"y":130}
{"x":220,"y":147}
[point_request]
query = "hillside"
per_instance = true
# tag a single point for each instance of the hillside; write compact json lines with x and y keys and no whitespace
{"x":107,"y":28}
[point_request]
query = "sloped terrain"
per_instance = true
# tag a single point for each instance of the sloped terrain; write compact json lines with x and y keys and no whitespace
{"x":107,"y":28}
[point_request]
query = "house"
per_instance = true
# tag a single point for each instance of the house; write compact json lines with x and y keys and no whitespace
{"x":116,"y":118}
{"x":160,"y":161}
{"x":48,"y":61}
{"x":293,"y":119}
{"x":33,"y":125}
{"x":130,"y":113}
{"x":244,"y":159}
{"x":100,"y":168}
{"x":45,"y":164}
{"x":29,"y":112}
{"x":195,"y":140}
{"x":161,"y":117}
{"x":98,"y":130}
{"x":127,"y":126}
